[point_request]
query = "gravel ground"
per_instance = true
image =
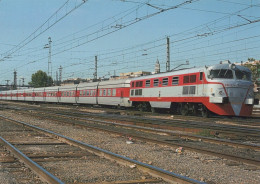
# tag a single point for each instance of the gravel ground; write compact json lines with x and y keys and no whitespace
{"x":194,"y":165}
{"x":15,"y":172}
{"x":83,"y":169}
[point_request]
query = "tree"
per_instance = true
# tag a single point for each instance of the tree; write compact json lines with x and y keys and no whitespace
{"x":254,"y":69}
{"x":40,"y":79}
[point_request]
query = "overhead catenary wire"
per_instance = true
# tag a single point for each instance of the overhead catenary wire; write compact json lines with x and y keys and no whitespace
{"x":40,"y":30}
{"x":187,"y":39}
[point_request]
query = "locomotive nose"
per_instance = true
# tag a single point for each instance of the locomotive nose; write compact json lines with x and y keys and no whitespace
{"x":237,"y":96}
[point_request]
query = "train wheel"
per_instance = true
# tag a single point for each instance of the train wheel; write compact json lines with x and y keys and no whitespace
{"x":174,"y":109}
{"x":194,"y":108}
{"x":153,"y":110}
{"x":143,"y":107}
{"x":184,"y":109}
{"x":140,"y":107}
{"x":205,"y":112}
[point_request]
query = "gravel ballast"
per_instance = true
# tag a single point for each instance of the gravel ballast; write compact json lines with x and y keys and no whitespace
{"x":194,"y":165}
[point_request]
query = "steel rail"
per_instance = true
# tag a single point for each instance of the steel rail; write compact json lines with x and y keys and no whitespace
{"x":184,"y":135}
{"x":174,"y":123}
{"x":36,"y":168}
{"x":162,"y":142}
{"x":152,"y":170}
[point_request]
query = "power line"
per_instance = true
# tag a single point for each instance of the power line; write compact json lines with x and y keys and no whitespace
{"x":44,"y":27}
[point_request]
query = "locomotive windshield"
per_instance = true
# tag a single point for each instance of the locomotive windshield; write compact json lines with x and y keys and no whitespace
{"x":243,"y":75}
{"x":221,"y":73}
{"x":229,"y":74}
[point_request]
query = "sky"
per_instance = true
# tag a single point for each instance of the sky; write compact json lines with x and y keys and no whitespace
{"x":125,"y":35}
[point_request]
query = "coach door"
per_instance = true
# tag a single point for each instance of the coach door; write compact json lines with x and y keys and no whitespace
{"x":201,"y":81}
{"x":77,"y":95}
{"x":59,"y":95}
{"x":44,"y":95}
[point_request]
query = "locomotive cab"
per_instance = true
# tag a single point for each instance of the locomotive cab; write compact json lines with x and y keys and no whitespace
{"x":230,"y":86}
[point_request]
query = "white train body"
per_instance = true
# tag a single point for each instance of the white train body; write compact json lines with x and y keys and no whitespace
{"x":224,"y":89}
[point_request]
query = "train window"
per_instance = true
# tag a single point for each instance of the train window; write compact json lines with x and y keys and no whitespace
{"x":132,"y":92}
{"x":104,"y":92}
{"x":165,"y":81}
{"x":133,"y":84}
{"x":68,"y":94}
{"x":138,"y":84}
{"x":186,"y":79}
{"x":185,"y":90}
{"x":87,"y":92}
{"x":175,"y":80}
{"x":156,"y":82}
{"x":109,"y":92}
{"x":192,"y":90}
{"x":114,"y":92}
{"x":147,"y":83}
{"x":243,"y":75}
{"x":83,"y":92}
{"x":221,"y":73}
{"x":201,"y":75}
{"x":138,"y":92}
{"x":100,"y":92}
{"x":192,"y":78}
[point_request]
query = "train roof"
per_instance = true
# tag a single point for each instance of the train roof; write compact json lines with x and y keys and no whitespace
{"x":175,"y":72}
{"x":229,"y":66}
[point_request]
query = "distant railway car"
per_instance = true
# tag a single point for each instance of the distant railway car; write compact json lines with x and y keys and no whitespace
{"x":114,"y":92}
{"x":20,"y":95}
{"x":28,"y":94}
{"x":9,"y":95}
{"x":39,"y":94}
{"x":66,"y":94}
{"x":51,"y":94}
{"x":224,"y":89}
{"x":87,"y":93}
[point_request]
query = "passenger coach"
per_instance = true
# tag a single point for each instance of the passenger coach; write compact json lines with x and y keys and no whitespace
{"x":224,"y":89}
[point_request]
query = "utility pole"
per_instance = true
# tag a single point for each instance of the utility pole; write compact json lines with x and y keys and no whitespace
{"x":22,"y":81}
{"x":57,"y":82}
{"x":168,"y":68}
{"x":95,"y":73}
{"x":15,"y":80}
{"x":60,"y":77}
{"x":49,"y":57}
{"x":7,"y":82}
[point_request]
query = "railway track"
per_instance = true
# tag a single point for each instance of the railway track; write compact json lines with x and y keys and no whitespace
{"x":173,"y":139}
{"x":236,"y":121}
{"x":10,"y":166}
{"x":72,"y":149}
{"x":213,"y":129}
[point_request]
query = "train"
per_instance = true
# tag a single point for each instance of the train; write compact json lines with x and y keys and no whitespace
{"x":224,"y":89}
